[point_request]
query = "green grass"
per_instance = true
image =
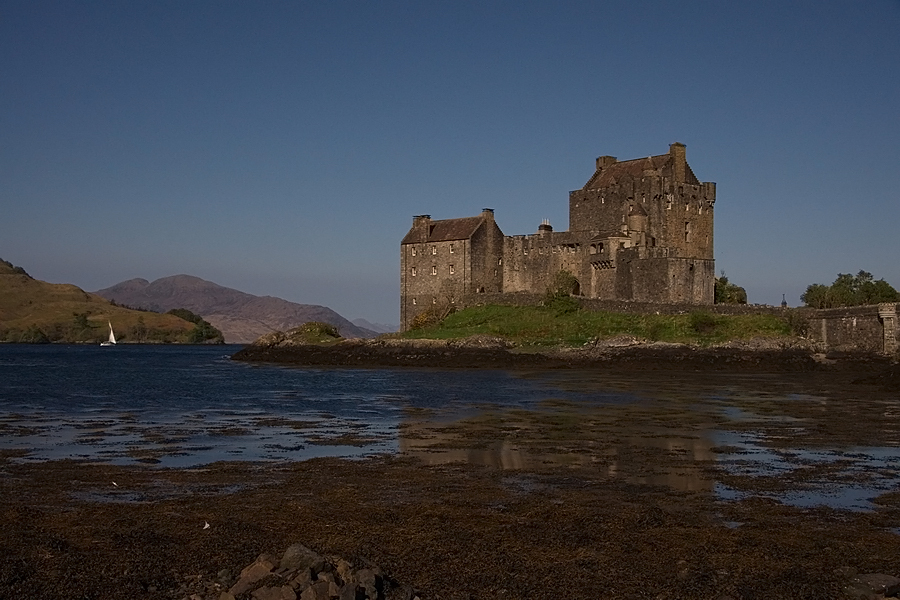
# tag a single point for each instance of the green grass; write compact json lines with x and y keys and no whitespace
{"x":546,"y":326}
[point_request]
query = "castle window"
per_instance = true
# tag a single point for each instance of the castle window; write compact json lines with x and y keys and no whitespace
{"x":433,"y":300}
{"x":414,"y":301}
{"x":687,"y":231}
{"x":413,"y":271}
{"x":434,"y":270}
{"x":499,"y":261}
{"x":451,"y":248}
{"x":434,"y":249}
{"x":452,"y":270}
{"x":413,"y":250}
{"x":495,"y":272}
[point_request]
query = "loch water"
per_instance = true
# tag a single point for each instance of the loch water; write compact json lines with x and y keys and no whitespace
{"x":182,"y":406}
{"x":188,"y":406}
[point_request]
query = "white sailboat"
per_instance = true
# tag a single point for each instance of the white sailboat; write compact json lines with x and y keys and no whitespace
{"x":112,"y":337}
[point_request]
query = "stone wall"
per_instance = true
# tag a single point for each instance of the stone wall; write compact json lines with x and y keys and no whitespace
{"x":858,"y":328}
{"x":624,"y":306}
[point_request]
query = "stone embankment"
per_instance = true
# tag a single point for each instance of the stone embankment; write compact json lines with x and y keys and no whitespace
{"x":623,"y":352}
{"x":302,"y":574}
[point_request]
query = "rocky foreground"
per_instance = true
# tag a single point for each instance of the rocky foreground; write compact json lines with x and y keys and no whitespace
{"x":305,"y":574}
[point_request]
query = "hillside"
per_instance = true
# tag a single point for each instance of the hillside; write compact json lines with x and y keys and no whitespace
{"x":34,"y":310}
{"x":240,"y":316}
{"x":376,"y":327}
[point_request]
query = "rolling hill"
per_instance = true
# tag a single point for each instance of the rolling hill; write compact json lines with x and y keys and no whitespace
{"x":240,"y":316}
{"x":32,"y":311}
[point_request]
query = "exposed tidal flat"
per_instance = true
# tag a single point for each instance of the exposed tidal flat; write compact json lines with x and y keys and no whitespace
{"x":612,"y":481}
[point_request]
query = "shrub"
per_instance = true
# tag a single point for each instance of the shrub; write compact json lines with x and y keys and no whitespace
{"x":34,"y":335}
{"x":798,"y":321}
{"x":432,"y":316}
{"x":703,"y":322}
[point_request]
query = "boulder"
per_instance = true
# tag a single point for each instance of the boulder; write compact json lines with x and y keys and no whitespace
{"x":260,"y":569}
{"x":879,"y":583}
{"x":300,"y":557}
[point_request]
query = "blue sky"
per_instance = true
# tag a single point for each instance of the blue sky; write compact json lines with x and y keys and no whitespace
{"x":282,"y":148}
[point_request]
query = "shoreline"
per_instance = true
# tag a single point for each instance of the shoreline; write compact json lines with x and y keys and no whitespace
{"x":761,"y":356}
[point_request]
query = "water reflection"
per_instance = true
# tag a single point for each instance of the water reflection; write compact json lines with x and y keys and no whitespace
{"x":731,"y":436}
{"x":680,"y":465}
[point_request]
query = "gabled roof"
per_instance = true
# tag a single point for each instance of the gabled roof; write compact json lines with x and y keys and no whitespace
{"x":633,"y":169}
{"x":445,"y":230}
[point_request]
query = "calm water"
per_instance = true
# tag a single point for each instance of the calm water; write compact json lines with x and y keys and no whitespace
{"x":185,"y":406}
{"x":179,"y":406}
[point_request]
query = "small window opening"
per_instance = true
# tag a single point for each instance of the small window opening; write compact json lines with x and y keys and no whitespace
{"x":434,"y":270}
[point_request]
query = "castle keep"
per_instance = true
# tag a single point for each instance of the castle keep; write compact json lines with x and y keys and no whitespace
{"x":639,"y":230}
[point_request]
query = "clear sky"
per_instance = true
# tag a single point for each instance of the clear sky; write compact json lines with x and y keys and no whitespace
{"x":282,"y":148}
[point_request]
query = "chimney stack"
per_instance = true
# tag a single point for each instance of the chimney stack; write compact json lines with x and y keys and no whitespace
{"x":679,"y":154}
{"x":605,"y":161}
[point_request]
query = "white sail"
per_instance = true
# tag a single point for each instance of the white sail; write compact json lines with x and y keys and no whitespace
{"x":112,"y":337}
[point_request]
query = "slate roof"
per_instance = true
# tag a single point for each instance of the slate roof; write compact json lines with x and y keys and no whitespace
{"x":445,"y":230}
{"x":634,"y":169}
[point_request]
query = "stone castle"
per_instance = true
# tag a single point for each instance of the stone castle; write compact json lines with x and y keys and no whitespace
{"x":639,"y":230}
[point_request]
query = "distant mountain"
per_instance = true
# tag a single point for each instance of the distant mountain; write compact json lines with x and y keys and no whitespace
{"x":377,"y":327}
{"x":36,"y":311}
{"x":241,"y":317}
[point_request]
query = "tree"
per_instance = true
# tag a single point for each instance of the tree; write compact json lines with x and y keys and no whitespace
{"x":729,"y":293}
{"x":850,"y":290}
{"x":203,"y":332}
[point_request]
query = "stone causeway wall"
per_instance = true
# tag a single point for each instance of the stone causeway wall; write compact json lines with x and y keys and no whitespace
{"x":858,"y":328}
